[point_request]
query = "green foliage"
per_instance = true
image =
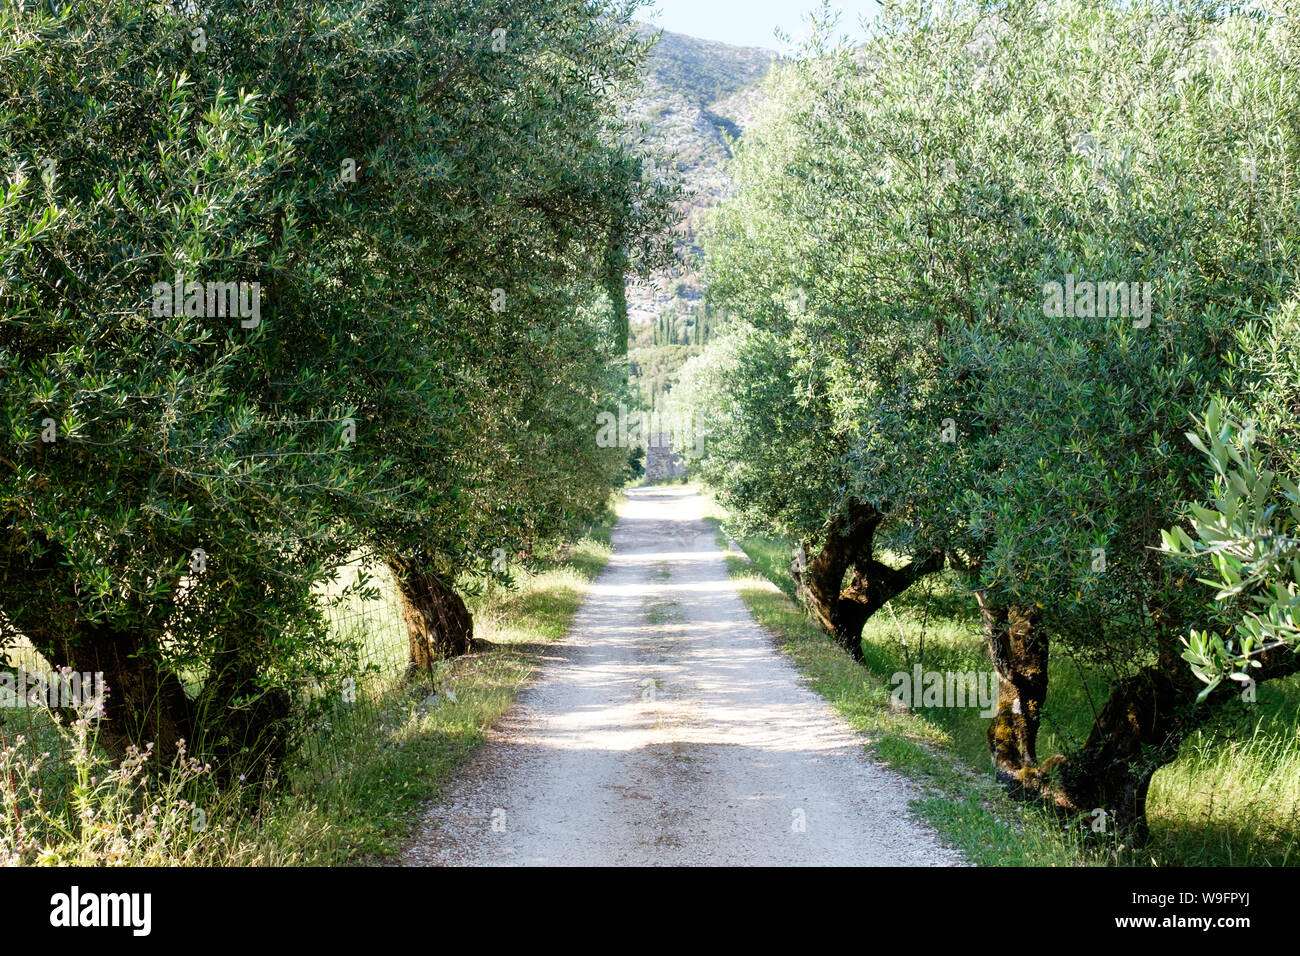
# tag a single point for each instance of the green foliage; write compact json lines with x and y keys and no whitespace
{"x":771,"y":449}
{"x":901,"y":211}
{"x":1250,"y":534}
{"x":1247,"y":531}
{"x":435,"y":199}
{"x":907,"y":218}
{"x":653,"y":372}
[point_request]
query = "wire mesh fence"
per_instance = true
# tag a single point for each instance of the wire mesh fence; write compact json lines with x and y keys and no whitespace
{"x":377,"y":662}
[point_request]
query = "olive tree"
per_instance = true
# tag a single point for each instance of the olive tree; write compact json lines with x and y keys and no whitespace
{"x":1002,"y":282}
{"x":182,"y":470}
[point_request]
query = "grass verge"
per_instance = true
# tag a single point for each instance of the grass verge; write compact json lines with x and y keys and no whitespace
{"x":359,"y":807}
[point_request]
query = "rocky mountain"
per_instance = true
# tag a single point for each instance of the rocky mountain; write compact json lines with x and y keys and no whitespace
{"x":699,"y":96}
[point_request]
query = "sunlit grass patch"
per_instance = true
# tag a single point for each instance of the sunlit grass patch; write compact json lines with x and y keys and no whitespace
{"x":1233,"y":795}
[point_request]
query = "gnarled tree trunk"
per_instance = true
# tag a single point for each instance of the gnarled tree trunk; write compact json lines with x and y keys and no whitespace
{"x":1138,"y":730}
{"x":821,"y":582}
{"x":1018,"y":648}
{"x":874,"y":585}
{"x":844,"y":611}
{"x":438,"y":624}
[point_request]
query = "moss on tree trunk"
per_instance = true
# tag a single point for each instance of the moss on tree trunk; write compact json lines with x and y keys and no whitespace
{"x":1139,"y":729}
{"x":1018,"y":648}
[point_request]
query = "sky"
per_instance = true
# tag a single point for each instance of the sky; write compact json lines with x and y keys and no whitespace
{"x":749,"y":22}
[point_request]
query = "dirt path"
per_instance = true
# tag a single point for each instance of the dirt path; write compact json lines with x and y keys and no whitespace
{"x":669,"y":731}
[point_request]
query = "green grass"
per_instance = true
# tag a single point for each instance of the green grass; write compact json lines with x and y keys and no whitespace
{"x":354,"y":795}
{"x":1231,"y":798}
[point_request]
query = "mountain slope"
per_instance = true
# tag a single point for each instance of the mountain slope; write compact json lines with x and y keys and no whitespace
{"x":698,"y":96}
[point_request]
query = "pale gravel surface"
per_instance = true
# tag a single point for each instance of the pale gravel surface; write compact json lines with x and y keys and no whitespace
{"x":716,"y":763}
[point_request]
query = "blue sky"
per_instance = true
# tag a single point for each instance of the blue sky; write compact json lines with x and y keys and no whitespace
{"x":748,"y":22}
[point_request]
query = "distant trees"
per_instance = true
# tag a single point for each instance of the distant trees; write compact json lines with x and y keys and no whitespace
{"x":698,"y":328}
{"x":940,"y":252}
{"x":428,"y":203}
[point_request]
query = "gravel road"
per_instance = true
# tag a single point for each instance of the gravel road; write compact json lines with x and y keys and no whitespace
{"x":666,"y":729}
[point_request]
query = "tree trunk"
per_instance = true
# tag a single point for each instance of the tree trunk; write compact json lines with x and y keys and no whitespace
{"x":1138,"y":731}
{"x":844,"y":611}
{"x":143,"y":703}
{"x":821,"y":582}
{"x":1130,"y":738}
{"x":438,"y":624}
{"x":1018,"y":648}
{"x":875,"y":584}
{"x":1140,"y":728}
